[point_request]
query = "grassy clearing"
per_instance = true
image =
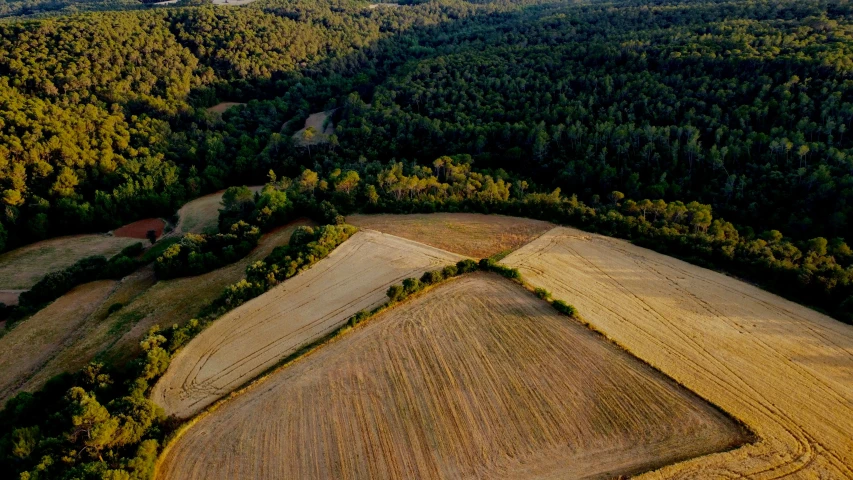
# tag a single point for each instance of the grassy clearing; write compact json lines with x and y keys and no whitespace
{"x":253,"y":337}
{"x":222,"y":107}
{"x":21,"y":268}
{"x":202,"y":214}
{"x":322,"y":127}
{"x":474,"y":378}
{"x":471,"y":234}
{"x":33,"y":342}
{"x":781,"y":368}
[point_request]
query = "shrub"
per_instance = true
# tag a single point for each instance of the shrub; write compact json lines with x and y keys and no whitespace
{"x":565,"y":308}
{"x":466,"y":266}
{"x":396,"y":292}
{"x":358,"y":317}
{"x":449,"y":271}
{"x":432,"y":277}
{"x":132,"y":250}
{"x":412,"y":285}
{"x":114,"y":308}
{"x":542,"y":293}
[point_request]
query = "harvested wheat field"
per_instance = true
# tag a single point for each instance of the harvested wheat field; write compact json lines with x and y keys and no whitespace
{"x":202,"y":214}
{"x":260,"y":333}
{"x":33,"y":342}
{"x":115,"y":336}
{"x":471,"y":234}
{"x":21,"y":268}
{"x":477,"y":378}
{"x":783,"y":369}
{"x":140,"y":228}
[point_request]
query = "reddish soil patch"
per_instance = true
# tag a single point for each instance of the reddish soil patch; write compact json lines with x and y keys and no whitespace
{"x":140,"y":229}
{"x":10,"y":297}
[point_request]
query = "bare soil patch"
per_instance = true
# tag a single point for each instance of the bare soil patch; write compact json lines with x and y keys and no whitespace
{"x":33,"y":342}
{"x":21,"y":268}
{"x":322,"y":129}
{"x":783,"y":369}
{"x":475,"y":379}
{"x":140,"y":228}
{"x":202,"y":214}
{"x":255,"y":336}
{"x":10,"y":297}
{"x":471,"y":234}
{"x":222,"y":107}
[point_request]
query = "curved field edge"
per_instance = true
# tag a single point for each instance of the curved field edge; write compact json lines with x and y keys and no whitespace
{"x":661,"y":440}
{"x":779,"y":367}
{"x":256,"y":335}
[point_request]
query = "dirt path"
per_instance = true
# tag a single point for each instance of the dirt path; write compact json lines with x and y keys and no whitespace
{"x":471,"y":234}
{"x":785,"y":370}
{"x":475,"y":379}
{"x":255,"y":336}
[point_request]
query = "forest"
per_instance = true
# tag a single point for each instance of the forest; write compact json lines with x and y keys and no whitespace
{"x":647,"y":120}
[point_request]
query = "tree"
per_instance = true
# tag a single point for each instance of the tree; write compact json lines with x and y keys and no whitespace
{"x":348,"y":182}
{"x":151,"y":235}
{"x":308,"y":181}
{"x":616,"y":197}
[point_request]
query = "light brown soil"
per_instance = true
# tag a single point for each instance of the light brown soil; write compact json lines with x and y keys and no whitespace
{"x":255,"y":336}
{"x":321,"y":134}
{"x":23,"y":267}
{"x":177,"y":301}
{"x":32,"y":343}
{"x":202,"y":214}
{"x":785,"y":370}
{"x":116,"y":336}
{"x":475,"y":379}
{"x":222,"y":107}
{"x":140,"y":228}
{"x":471,"y":234}
{"x":10,"y":297}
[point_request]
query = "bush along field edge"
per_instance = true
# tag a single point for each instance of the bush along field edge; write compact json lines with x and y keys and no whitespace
{"x":99,"y":422}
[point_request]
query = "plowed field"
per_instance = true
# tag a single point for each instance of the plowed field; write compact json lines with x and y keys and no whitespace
{"x":472,"y":234}
{"x":475,"y":379}
{"x":260,"y":333}
{"x":784,"y":370}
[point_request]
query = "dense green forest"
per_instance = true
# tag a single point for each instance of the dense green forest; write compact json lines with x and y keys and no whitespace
{"x":647,"y":120}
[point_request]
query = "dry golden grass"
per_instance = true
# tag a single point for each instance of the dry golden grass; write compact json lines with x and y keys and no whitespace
{"x":222,"y":107}
{"x":477,"y":378}
{"x":322,"y":129}
{"x":471,"y":234}
{"x":90,"y":331}
{"x":23,"y":267}
{"x":257,"y":335}
{"x":202,"y":213}
{"x":784,"y":370}
{"x":32,"y":343}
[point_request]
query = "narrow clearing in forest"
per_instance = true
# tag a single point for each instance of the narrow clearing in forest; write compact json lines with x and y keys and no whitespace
{"x":258,"y":334}
{"x":783,"y":369}
{"x":476,"y":378}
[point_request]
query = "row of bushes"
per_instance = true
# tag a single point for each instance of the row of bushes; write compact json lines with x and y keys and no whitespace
{"x":88,"y":269}
{"x":196,"y":253}
{"x":99,"y":423}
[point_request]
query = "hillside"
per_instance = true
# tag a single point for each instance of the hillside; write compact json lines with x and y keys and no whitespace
{"x":477,"y":378}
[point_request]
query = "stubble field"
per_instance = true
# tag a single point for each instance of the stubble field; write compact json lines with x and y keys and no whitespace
{"x":78,"y":327}
{"x":783,"y":369}
{"x":260,"y":333}
{"x":476,"y":378}
{"x":471,"y":234}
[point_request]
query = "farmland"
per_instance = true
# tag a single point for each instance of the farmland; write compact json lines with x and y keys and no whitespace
{"x":201,"y":214}
{"x":29,"y":346}
{"x":476,"y":378}
{"x":781,"y":368}
{"x":258,"y":334}
{"x":78,"y":327}
{"x":23,"y":267}
{"x":470,"y":234}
